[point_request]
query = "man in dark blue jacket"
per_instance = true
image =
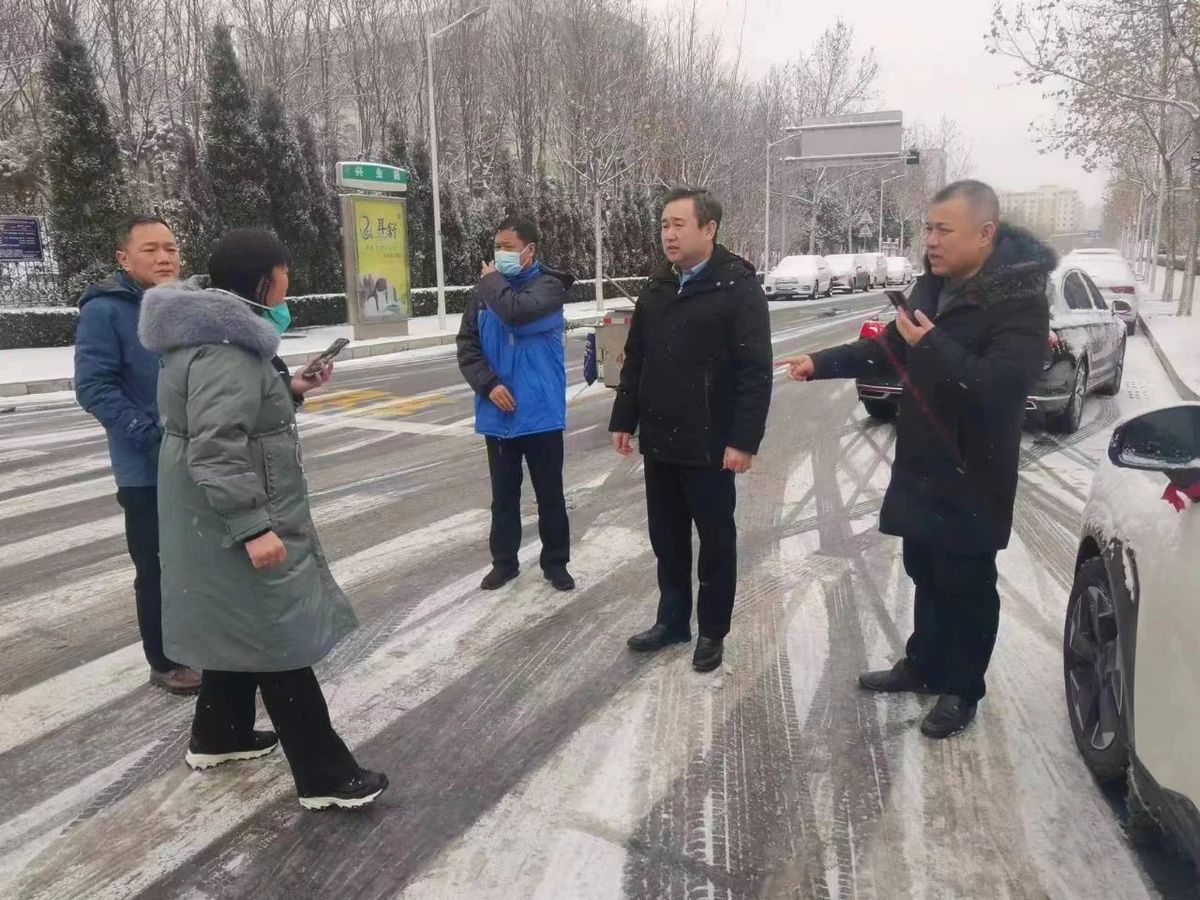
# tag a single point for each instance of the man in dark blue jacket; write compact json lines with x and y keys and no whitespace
{"x":510,"y":351}
{"x":116,"y":380}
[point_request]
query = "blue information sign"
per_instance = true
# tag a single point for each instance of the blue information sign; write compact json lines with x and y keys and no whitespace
{"x":20,"y":239}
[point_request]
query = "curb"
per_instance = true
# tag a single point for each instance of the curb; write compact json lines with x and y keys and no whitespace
{"x":1185,"y":392}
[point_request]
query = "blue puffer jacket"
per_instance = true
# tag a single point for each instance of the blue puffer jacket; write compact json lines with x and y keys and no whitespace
{"x":512,"y":334}
{"x":116,"y":378}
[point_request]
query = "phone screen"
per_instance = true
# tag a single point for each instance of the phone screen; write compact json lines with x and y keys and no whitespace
{"x":325,"y":358}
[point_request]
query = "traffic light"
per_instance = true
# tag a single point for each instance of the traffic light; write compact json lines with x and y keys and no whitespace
{"x":913,"y":158}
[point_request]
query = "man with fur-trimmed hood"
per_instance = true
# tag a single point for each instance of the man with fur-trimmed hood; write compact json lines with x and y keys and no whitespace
{"x":968,"y":345}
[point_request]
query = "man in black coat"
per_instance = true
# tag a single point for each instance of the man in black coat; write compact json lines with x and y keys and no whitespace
{"x":968,"y":346}
{"x":695,"y":386}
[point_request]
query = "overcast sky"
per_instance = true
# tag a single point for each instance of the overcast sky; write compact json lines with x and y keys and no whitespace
{"x":933,"y":61}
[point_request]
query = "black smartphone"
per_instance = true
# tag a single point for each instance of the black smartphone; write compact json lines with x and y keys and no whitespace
{"x":311,"y":370}
{"x":897,"y":299}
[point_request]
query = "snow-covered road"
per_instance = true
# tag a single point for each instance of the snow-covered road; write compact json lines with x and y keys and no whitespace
{"x":531,"y":756}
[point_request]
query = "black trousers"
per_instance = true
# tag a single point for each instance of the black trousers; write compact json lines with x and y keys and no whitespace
{"x":543,"y":453}
{"x":141,"y":536}
{"x":955,"y":617}
{"x":677,"y":497}
{"x":224,"y":722}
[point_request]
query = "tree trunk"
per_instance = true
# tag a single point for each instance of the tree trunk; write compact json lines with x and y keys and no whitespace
{"x":1168,"y":289}
{"x":1156,"y":226}
{"x":597,"y":224}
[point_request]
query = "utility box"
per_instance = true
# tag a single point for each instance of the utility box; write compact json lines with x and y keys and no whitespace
{"x":611,"y":335}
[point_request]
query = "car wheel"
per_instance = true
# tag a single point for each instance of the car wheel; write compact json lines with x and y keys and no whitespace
{"x":880,"y":409}
{"x":1067,"y":422}
{"x":1094,"y":674}
{"x":1131,"y":327}
{"x":1113,"y":387}
{"x":829,"y":293}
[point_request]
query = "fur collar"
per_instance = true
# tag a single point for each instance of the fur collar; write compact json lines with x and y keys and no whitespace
{"x":191,"y":314}
{"x":1018,"y":267}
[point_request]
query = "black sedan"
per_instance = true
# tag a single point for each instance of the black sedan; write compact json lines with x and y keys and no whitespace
{"x":1085,"y":354}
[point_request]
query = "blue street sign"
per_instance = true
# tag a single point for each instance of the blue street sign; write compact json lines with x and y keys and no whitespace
{"x":20,"y":239}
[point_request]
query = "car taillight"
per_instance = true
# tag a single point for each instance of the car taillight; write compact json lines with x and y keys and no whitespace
{"x":1123,"y":289}
{"x":871,"y":328}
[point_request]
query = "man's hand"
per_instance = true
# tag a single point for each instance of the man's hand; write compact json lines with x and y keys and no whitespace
{"x":914,"y":332}
{"x":501,"y":396}
{"x":738,"y":461}
{"x":800,"y":368}
{"x":302,"y":385}
{"x":486,"y":269}
{"x":266,"y":550}
{"x":622,"y":442}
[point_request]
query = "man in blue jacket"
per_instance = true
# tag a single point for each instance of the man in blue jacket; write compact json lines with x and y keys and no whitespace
{"x":510,"y":351}
{"x":116,"y":380}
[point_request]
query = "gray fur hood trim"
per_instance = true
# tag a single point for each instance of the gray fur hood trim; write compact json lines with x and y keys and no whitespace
{"x":191,"y":314}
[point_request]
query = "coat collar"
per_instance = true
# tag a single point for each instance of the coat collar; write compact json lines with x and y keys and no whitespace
{"x":722,"y":265}
{"x":191,"y":314}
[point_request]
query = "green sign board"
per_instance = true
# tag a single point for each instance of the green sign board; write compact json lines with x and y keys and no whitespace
{"x":369,"y":176}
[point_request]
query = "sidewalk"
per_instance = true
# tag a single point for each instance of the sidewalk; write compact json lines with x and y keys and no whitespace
{"x":1175,"y":339}
{"x":51,"y":369}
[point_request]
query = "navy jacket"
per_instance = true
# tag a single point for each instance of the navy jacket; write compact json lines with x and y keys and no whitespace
{"x":514,"y":336}
{"x":116,"y":378}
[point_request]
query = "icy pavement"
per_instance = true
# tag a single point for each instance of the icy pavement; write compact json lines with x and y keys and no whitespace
{"x":531,"y":756}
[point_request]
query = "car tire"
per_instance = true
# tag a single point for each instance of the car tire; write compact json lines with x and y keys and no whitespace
{"x":829,"y":293}
{"x":1113,"y":387}
{"x":1067,"y":421}
{"x":884,"y":410}
{"x":1096,"y":706}
{"x":1131,"y":327}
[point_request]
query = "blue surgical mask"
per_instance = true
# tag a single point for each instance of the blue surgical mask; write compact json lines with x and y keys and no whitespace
{"x":279,"y":316}
{"x":508,"y":262}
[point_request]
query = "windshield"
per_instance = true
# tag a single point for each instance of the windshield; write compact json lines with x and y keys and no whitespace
{"x":841,"y":261}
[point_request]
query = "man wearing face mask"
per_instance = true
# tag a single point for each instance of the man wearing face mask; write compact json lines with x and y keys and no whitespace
{"x":510,"y":351}
{"x":116,"y":380}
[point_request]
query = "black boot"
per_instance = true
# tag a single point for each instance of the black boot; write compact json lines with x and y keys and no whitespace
{"x":358,"y":791}
{"x":897,"y":679}
{"x":948,"y":717}
{"x":656,"y":638}
{"x":498,"y":578}
{"x":560,"y":578}
{"x":709,"y":652}
{"x":260,"y":744}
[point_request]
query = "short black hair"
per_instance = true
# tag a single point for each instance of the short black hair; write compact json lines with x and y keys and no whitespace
{"x":126,"y":228}
{"x":525,"y":228}
{"x":708,"y":207}
{"x":242,"y":260}
{"x":979,"y":196}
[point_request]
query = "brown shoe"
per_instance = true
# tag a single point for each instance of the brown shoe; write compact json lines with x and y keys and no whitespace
{"x":180,"y":680}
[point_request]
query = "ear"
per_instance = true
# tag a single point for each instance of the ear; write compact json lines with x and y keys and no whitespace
{"x":988,"y":232}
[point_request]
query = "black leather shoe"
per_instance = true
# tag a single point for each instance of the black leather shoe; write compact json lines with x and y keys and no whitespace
{"x":897,"y":679}
{"x":561,"y":579}
{"x":498,"y":578}
{"x":656,"y":638}
{"x":708,"y":655}
{"x":948,"y":717}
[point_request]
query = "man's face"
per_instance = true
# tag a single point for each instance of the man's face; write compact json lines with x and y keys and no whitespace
{"x":150,"y":255}
{"x":684,"y":240}
{"x":957,"y":242}
{"x":509,"y":240}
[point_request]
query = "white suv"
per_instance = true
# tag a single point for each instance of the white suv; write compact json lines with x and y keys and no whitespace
{"x":1131,"y":643}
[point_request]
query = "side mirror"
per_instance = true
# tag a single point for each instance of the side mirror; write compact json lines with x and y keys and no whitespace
{"x":1166,"y":440}
{"x":1121,"y":306}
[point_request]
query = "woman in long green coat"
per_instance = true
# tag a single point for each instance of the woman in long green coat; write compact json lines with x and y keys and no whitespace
{"x":247,"y":592}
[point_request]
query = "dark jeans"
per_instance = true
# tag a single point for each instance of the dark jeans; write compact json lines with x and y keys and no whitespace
{"x":544,"y":455}
{"x":224,"y":722}
{"x":955,"y":617}
{"x":676,"y":497}
{"x":141,"y":536}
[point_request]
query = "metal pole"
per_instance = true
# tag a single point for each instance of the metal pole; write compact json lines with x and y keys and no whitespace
{"x":437,"y":196}
{"x":881,"y":184}
{"x":767,"y":222}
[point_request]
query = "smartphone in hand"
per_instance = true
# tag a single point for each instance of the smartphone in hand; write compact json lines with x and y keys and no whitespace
{"x":314,"y":367}
{"x":900,"y":302}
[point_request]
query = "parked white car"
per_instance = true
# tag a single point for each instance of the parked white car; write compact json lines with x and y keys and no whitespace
{"x":849,"y":274}
{"x":800,"y":276}
{"x":899,"y":270}
{"x":876,"y":266}
{"x":1115,"y":279}
{"x":1131,"y":642}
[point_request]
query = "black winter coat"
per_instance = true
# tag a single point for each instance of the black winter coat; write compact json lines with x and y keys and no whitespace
{"x":698,"y":372}
{"x":958,"y":436}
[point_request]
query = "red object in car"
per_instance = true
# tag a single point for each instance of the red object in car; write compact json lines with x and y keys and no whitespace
{"x":872,"y":328}
{"x":1124,"y":289}
{"x":1054,"y":341}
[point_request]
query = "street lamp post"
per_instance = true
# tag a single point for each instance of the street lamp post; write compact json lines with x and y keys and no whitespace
{"x":791,"y":133}
{"x":433,"y":160}
{"x":881,"y":184}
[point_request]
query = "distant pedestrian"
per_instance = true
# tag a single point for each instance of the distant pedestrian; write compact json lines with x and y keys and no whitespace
{"x":247,"y":592}
{"x":510,"y":351}
{"x":695,"y":387}
{"x":116,"y":380}
{"x":968,"y":349}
